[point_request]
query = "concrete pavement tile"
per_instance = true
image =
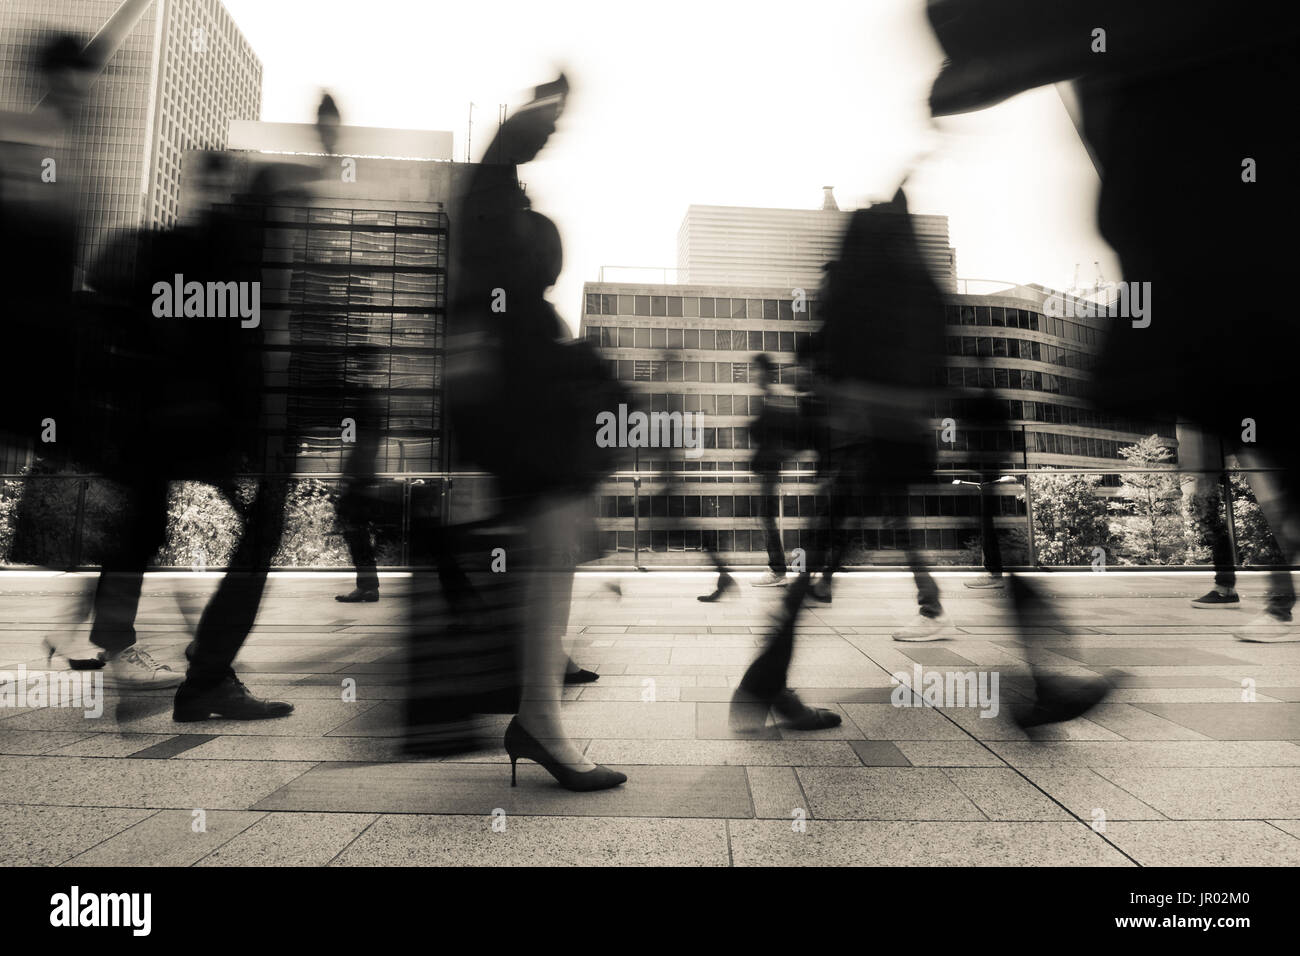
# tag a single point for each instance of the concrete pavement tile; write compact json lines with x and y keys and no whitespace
{"x":168,"y":838}
{"x":879,"y":753}
{"x":1140,"y":753}
{"x":884,"y":793}
{"x":1290,"y":826}
{"x":713,"y":722}
{"x":363,"y":749}
{"x":538,"y":841}
{"x":776,"y":793}
{"x":110,"y":745}
{"x":447,"y":787}
{"x":887,"y":722}
{"x":1240,"y":721}
{"x":1132,"y":723}
{"x":92,"y":782}
{"x":1003,"y":794}
{"x":948,"y":753}
{"x":1003,"y":727}
{"x":1129,"y":656}
{"x":310,"y":718}
{"x":878,"y":843}
{"x":37,"y":741}
{"x":724,"y":753}
{"x":1196,"y":843}
{"x":291,"y":839}
{"x":1084,"y":792}
{"x":658,"y":692}
{"x":46,"y":836}
{"x":1213,"y":793}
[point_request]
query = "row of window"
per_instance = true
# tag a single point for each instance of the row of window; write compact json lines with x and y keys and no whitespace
{"x":957,"y":505}
{"x":1000,"y":318}
{"x":1050,"y":413}
{"x":865,"y":539}
{"x":727,"y":340}
{"x":697,"y":307}
{"x":1001,"y":347}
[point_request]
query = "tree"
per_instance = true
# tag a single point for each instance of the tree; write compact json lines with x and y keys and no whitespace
{"x":1148,"y":509}
{"x":1070,"y":518}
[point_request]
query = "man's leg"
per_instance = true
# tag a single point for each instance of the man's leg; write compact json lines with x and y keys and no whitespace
{"x":210,"y":685}
{"x":1198,"y":453}
{"x":117,"y":594}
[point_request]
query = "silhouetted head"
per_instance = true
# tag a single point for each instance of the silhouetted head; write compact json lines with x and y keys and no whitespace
{"x":766,"y":369}
{"x":67,"y":72}
{"x":327,"y":123}
{"x":541,"y":254}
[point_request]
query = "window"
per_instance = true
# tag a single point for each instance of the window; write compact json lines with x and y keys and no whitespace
{"x":658,"y":305}
{"x":706,"y":309}
{"x":691,"y":307}
{"x":642,"y":305}
{"x":674,"y":305}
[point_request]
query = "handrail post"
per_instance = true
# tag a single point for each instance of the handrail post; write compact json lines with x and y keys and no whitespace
{"x":1228,"y":510}
{"x":78,"y":522}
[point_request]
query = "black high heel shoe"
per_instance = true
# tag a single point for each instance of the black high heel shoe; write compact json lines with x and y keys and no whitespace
{"x":520,"y":743}
{"x":580,"y":676}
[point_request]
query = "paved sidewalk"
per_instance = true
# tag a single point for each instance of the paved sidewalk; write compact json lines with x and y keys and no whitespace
{"x":1175,"y":768}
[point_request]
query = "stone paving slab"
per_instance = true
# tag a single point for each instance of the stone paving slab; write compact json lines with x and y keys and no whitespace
{"x":1178,"y":765}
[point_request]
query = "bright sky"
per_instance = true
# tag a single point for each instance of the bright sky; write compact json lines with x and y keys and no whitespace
{"x":713,"y":102}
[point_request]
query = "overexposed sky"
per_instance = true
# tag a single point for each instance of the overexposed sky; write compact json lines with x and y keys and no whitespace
{"x":716,"y":102}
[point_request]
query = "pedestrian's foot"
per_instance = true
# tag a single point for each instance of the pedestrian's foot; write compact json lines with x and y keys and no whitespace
{"x":924,"y":628}
{"x":134,"y":668}
{"x":725,"y":583}
{"x":1269,"y":628}
{"x":1218,"y":597}
{"x":1058,"y":699}
{"x":821,"y":591}
{"x":229,"y":699}
{"x":580,"y":676}
{"x":770,"y":579}
{"x":799,"y":716}
{"x":83,"y":656}
{"x":986,"y":581}
{"x":356,"y":595}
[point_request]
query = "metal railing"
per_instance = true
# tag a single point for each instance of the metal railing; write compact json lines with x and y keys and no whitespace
{"x":463,"y":496}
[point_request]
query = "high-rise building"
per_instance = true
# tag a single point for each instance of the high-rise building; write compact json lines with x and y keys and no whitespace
{"x":182,"y":73}
{"x":690,"y":348}
{"x":786,"y":248}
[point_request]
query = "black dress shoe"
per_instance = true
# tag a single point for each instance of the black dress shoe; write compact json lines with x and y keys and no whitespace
{"x":580,"y":676}
{"x":229,"y":699}
{"x":1058,"y":699}
{"x":799,"y":716}
{"x":725,"y":583}
{"x":357,"y":595}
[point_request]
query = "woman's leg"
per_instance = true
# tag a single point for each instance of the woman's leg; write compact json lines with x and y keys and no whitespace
{"x":548,"y":590}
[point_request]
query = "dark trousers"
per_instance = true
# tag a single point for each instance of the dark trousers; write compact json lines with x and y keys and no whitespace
{"x":989,"y":543}
{"x":229,"y":615}
{"x":117,"y":594}
{"x":355,"y":510}
{"x":768,"y":491}
{"x":858,"y":469}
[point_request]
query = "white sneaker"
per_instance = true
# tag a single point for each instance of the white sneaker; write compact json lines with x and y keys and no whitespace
{"x":769,"y":580}
{"x":985,"y":581}
{"x":135,"y":668}
{"x":1268,"y":629}
{"x":924,"y":628}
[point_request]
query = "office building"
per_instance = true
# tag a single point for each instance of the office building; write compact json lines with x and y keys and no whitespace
{"x":691,"y":348}
{"x":785,"y":248}
{"x":178,"y":78}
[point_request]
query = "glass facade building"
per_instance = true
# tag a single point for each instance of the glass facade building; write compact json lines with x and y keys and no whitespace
{"x":181,"y":75}
{"x":691,"y":348}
